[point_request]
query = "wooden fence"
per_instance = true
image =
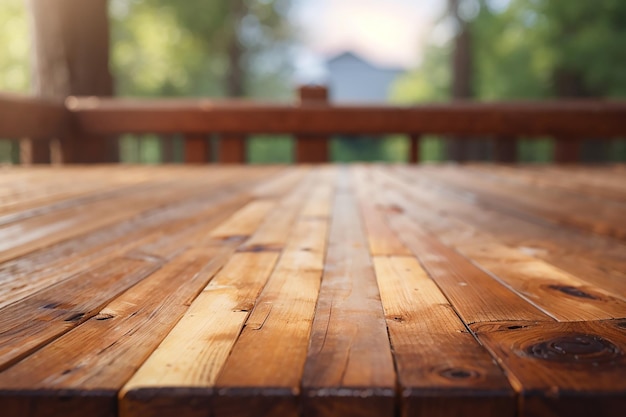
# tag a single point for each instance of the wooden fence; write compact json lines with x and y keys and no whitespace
{"x":77,"y":130}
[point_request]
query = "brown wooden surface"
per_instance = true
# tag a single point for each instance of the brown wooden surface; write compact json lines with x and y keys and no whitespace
{"x":311,"y":148}
{"x":233,"y":149}
{"x":197,"y":149}
{"x":567,"y":118}
{"x":374,"y":290}
{"x":22,"y":117}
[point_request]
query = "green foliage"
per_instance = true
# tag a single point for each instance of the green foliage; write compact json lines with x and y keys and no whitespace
{"x":431,"y":82}
{"x":529,"y":48}
{"x":270,"y":149}
{"x":14,"y":53}
{"x":174,"y":48}
{"x":388,"y":148}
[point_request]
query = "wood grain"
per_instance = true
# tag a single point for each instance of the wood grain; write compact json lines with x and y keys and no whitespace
{"x":91,"y":364}
{"x":349,"y":369}
{"x":442,"y":370}
{"x":267,"y":381}
{"x":193,"y":353}
{"x":597,"y":260}
{"x":312,"y":290}
{"x":562,"y":369}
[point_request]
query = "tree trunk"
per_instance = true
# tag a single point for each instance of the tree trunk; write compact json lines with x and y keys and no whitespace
{"x":235,"y":79}
{"x":71,"y":57}
{"x":462,"y":65}
{"x":457,"y":148}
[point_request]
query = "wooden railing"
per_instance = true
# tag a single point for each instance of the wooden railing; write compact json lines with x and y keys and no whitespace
{"x":79,"y":126}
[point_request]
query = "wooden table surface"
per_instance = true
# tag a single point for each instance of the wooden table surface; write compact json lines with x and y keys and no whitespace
{"x":437,"y":291}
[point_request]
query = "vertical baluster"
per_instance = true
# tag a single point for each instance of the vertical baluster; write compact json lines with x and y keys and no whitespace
{"x":414,"y":148}
{"x":566,"y":149}
{"x":232,"y":149}
{"x":197,"y":150}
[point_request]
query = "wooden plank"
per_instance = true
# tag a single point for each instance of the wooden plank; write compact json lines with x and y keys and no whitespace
{"x":562,"y":369}
{"x":41,"y":231}
{"x":266,"y":380}
{"x":555,"y":178}
{"x":598,"y":260}
{"x":593,"y":118}
{"x":273,"y":234}
{"x":382,"y":240}
{"x":523,"y":201}
{"x":475,"y":295}
{"x":90,"y":364}
{"x":217,"y":315}
{"x":148,"y":235}
{"x":557,"y":293}
{"x":442,"y":370}
{"x":48,"y":314}
{"x":349,"y":369}
{"x":36,"y":233}
{"x":245,"y":221}
{"x":180,"y":374}
{"x":37,"y":186}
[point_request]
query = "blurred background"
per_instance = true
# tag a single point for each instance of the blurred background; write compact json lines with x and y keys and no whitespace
{"x":365,"y":51}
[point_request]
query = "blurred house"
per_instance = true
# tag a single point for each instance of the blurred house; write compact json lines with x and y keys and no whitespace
{"x":354,"y":79}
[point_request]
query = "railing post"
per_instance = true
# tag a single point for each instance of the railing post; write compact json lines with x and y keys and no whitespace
{"x":505,"y":149}
{"x":312,"y":148}
{"x":197,"y":149}
{"x":34,"y":151}
{"x":566,"y":149}
{"x":414,"y":148}
{"x":232,"y":149}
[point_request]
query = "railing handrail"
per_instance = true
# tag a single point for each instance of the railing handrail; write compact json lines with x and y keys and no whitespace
{"x":36,"y":118}
{"x":580,"y":118}
{"x":79,"y":121}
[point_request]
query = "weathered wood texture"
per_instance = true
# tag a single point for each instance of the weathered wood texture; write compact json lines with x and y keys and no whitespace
{"x":375,"y":290}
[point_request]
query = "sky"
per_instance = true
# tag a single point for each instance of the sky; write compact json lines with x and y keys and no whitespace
{"x":389,"y":33}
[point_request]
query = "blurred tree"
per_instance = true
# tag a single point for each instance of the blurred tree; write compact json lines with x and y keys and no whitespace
{"x":71,"y":57}
{"x":586,"y":42}
{"x":526,"y":49}
{"x":202,"y":47}
{"x":530,"y":49}
{"x":71,"y":48}
{"x":14,"y":54}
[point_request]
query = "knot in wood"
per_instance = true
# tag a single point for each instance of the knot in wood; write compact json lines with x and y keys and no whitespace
{"x":573,"y":291}
{"x":577,"y":348}
{"x":459,"y":373}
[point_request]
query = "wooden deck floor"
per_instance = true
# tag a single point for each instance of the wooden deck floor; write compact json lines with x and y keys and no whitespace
{"x":379,"y":291}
